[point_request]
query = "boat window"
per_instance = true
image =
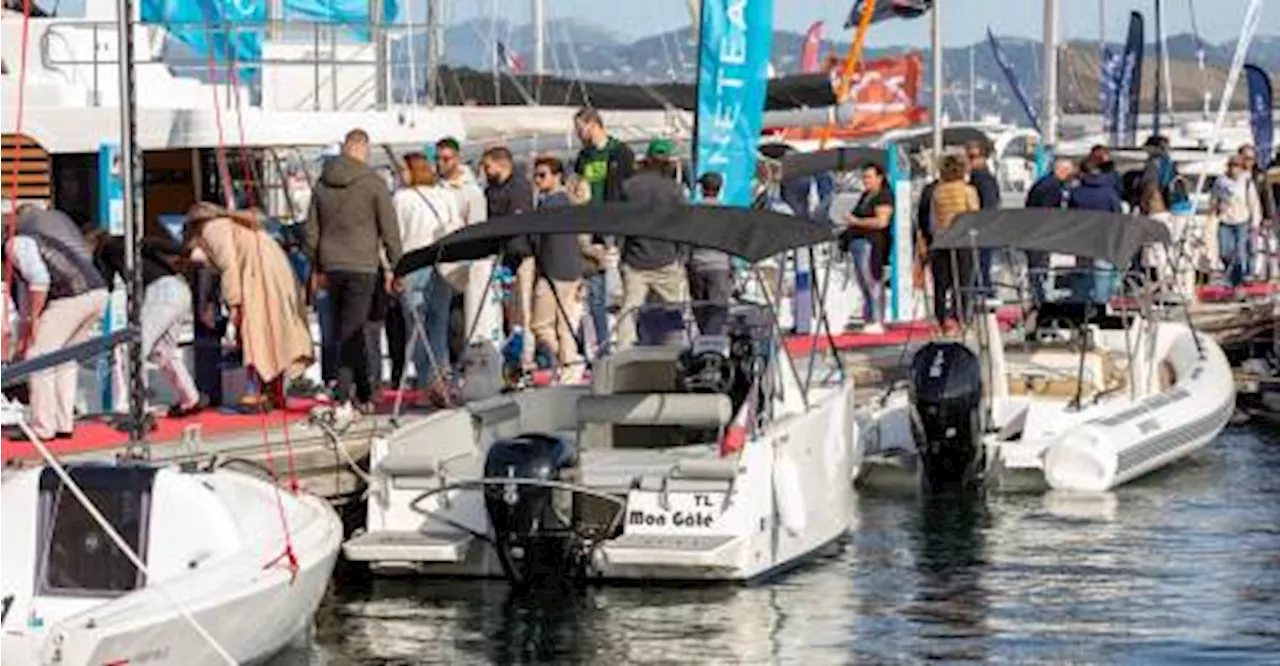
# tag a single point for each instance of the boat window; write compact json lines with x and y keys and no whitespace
{"x":75,"y":555}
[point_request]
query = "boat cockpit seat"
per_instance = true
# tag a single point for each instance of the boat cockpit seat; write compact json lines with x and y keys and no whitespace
{"x":637,"y":370}
{"x":422,"y":450}
{"x":645,"y":419}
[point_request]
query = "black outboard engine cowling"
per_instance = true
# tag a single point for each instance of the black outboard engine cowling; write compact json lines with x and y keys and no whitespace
{"x":531,"y":522}
{"x":947,"y":414}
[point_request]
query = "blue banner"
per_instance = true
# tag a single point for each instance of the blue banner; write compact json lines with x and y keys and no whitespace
{"x":1108,"y":94}
{"x":1130,"y":84}
{"x":1260,"y":102}
{"x":1027,"y":107}
{"x":353,"y":13}
{"x":733,"y":73}
{"x":231,"y":29}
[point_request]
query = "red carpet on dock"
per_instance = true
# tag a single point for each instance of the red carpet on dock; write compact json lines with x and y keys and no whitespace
{"x":894,"y":335}
{"x":95,"y":434}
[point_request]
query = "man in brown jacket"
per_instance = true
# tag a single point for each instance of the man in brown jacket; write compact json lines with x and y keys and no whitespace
{"x":351,"y":225}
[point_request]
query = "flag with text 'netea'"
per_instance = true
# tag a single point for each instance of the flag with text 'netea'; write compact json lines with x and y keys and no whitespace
{"x":735,"y":38}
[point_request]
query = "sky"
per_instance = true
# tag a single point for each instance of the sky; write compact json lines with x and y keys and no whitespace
{"x":964,"y":21}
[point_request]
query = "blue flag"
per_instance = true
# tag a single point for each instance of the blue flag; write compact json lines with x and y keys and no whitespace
{"x":352,"y":14}
{"x":1027,"y":107}
{"x":1108,"y":93}
{"x":1130,"y":83}
{"x":1260,"y":113}
{"x":229,"y":29}
{"x":733,"y":74}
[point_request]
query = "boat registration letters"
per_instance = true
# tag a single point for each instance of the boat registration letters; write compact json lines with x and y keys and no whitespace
{"x":647,"y":513}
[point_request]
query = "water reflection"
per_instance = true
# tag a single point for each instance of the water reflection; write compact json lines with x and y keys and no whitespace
{"x":1181,"y":566}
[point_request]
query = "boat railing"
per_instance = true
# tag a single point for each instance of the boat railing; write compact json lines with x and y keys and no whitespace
{"x":352,"y":66}
{"x":19,"y":371}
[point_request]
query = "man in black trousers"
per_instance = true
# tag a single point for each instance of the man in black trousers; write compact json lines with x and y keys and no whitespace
{"x":350,"y":225}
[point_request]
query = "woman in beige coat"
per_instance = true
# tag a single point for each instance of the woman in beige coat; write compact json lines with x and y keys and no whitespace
{"x":258,"y":286}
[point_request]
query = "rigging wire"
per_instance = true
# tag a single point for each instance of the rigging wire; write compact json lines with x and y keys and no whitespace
{"x":232,"y":66}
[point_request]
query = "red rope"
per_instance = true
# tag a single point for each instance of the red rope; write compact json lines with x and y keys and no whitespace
{"x":13,"y":173}
{"x":288,"y":556}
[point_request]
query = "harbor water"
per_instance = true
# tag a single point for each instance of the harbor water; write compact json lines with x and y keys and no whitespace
{"x":1180,"y":567}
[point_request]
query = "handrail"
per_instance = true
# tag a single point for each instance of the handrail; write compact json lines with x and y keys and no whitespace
{"x":17,"y":372}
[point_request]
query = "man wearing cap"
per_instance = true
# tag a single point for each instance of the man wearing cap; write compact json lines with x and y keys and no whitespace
{"x":710,"y":271}
{"x":650,"y":265}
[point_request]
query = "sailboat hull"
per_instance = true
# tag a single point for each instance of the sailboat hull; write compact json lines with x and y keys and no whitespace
{"x":215,"y":547}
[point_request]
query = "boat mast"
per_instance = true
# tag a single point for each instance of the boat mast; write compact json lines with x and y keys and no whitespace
{"x":539,"y":38}
{"x":1049,"y":85}
{"x":1155,"y":100}
{"x":433,"y":52}
{"x":972,"y":89}
{"x":131,"y":178}
{"x":936,"y":38}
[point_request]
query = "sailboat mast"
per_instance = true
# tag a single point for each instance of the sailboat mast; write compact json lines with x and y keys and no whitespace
{"x":1049,"y":85}
{"x":936,"y":38}
{"x":539,"y":38}
{"x":972,"y":87}
{"x":1155,"y":101}
{"x":433,"y":52}
{"x":131,"y":178}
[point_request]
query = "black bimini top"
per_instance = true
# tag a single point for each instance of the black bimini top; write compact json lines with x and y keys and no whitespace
{"x":742,"y":232}
{"x":1084,"y":233}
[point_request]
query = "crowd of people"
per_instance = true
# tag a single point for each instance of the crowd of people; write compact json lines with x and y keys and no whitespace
{"x":230,"y":277}
{"x":1241,"y":205}
{"x":228,"y":273}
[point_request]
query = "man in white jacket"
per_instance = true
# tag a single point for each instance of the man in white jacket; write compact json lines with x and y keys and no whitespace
{"x":471,"y":202}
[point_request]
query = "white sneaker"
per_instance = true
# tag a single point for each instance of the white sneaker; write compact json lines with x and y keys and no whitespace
{"x":873,"y":329}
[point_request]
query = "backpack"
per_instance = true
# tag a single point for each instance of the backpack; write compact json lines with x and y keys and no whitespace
{"x":1172,"y":185}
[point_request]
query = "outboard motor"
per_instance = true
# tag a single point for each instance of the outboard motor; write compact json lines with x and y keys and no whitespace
{"x":947,"y":414}
{"x":532,"y":521}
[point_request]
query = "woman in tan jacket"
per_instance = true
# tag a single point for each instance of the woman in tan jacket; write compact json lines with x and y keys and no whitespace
{"x":258,"y":286}
{"x":952,"y":271}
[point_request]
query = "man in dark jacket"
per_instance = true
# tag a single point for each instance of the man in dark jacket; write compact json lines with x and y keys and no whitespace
{"x":1048,"y":192}
{"x":350,"y":230}
{"x":1096,"y":191}
{"x":605,"y":163}
{"x":988,"y":187}
{"x":650,"y":265}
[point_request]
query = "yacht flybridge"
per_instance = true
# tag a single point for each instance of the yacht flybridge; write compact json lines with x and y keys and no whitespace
{"x":1089,"y":401}
{"x":711,"y":460}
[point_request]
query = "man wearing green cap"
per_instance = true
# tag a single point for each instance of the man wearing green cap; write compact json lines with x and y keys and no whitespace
{"x":648,"y":265}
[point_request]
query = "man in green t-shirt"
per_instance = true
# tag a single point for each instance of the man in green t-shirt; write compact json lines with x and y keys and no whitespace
{"x":605,"y":163}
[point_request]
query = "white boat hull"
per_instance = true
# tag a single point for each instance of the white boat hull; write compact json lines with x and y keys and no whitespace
{"x":689,"y":514}
{"x":1093,"y":448}
{"x":214,"y":547}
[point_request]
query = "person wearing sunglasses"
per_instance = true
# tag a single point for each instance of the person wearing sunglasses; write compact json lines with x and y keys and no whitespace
{"x":558,"y":265}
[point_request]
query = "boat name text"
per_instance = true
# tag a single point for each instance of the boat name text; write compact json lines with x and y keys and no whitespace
{"x":701,"y":516}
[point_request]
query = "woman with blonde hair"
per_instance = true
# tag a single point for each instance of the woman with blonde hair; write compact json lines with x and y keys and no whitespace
{"x":259,"y":287}
{"x":952,"y":271}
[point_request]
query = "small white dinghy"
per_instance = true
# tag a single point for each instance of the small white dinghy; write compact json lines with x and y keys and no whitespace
{"x":1088,"y":406}
{"x":219,"y":584}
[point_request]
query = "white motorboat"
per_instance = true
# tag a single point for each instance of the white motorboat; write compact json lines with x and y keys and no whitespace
{"x":630,"y":477}
{"x":1086,"y":406}
{"x":216,"y":556}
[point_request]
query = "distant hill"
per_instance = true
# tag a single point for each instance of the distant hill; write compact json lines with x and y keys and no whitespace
{"x":582,"y":49}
